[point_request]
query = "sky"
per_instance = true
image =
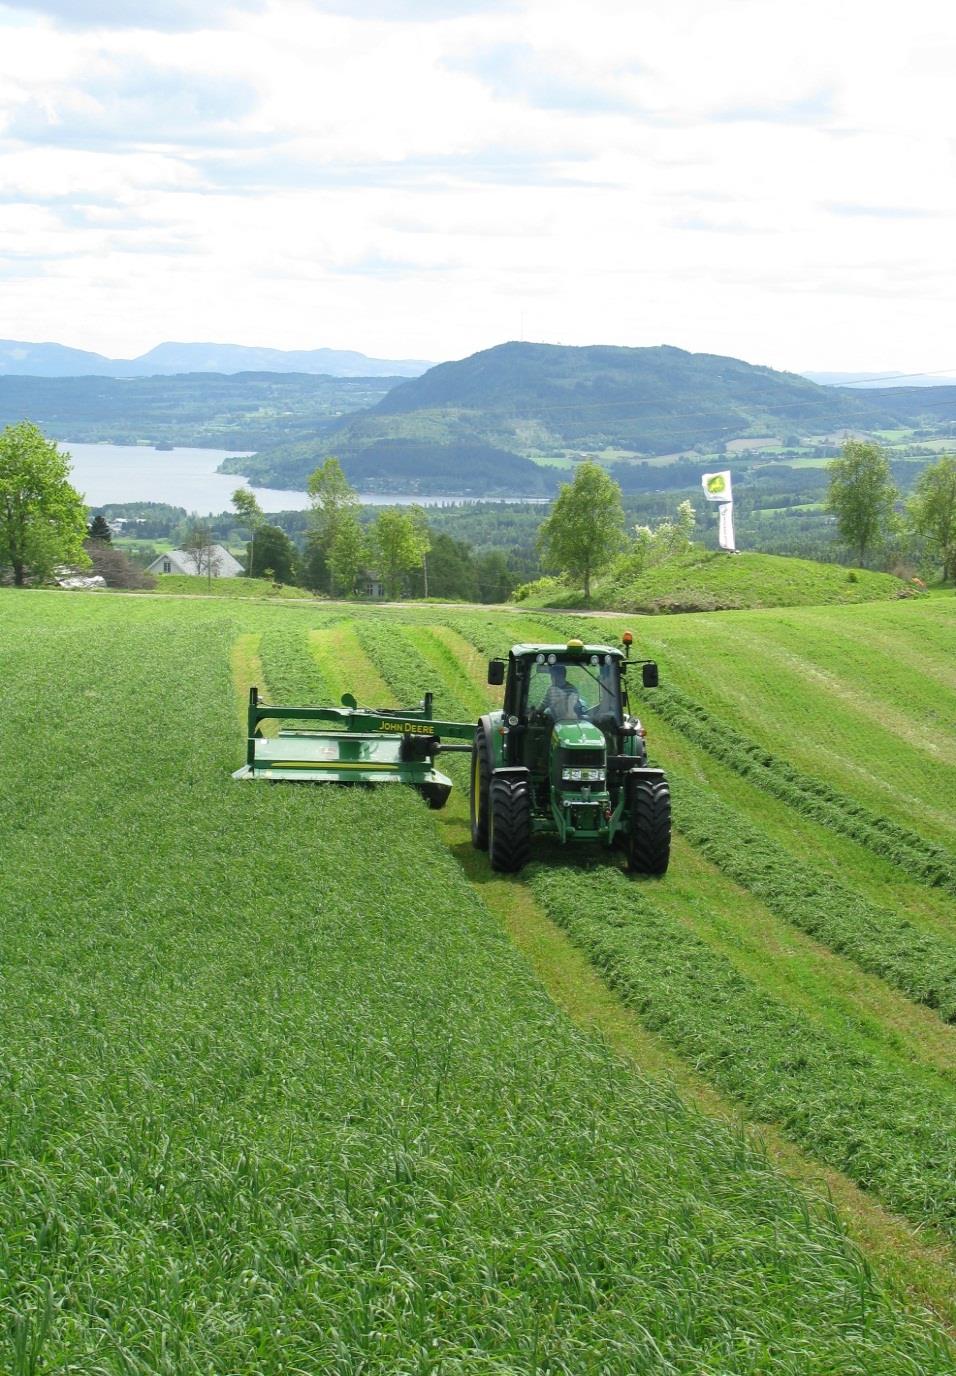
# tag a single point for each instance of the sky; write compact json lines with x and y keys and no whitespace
{"x":426,"y":178}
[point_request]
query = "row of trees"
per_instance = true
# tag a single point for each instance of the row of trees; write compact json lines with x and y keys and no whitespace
{"x":397,"y":548}
{"x":338,"y":550}
{"x":866,"y":503}
{"x":43,"y":524}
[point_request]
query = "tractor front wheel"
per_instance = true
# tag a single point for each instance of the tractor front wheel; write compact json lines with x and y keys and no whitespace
{"x":648,"y":826}
{"x":509,"y":829}
{"x":480,"y":777}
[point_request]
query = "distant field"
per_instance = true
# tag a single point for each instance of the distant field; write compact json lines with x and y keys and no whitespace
{"x":281,"y":1095}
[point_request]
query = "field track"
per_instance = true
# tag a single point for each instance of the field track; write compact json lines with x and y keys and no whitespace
{"x":279,"y":1066}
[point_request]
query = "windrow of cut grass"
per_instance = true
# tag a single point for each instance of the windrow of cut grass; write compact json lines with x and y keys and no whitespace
{"x":272,"y":1107}
{"x":292,"y":673}
{"x":889,"y":1133}
{"x":815,"y":798}
{"x":919,"y":964}
{"x":391,"y":647}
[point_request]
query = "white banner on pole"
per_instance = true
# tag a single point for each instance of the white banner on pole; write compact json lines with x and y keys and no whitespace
{"x":717,"y":486}
{"x":725,"y":527}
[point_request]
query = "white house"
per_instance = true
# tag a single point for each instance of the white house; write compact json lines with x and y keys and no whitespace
{"x":216,"y":561}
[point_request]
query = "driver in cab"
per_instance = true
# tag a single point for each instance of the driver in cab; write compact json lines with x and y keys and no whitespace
{"x":562,"y":701}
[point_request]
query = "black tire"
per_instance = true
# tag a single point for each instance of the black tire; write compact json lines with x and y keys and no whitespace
{"x":480,"y":778}
{"x":648,"y":826}
{"x":509,"y":818}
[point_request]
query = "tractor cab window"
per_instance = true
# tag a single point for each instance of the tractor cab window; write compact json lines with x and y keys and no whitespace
{"x":574,"y":689}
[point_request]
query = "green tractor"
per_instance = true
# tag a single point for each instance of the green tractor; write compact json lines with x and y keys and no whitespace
{"x":565,"y":757}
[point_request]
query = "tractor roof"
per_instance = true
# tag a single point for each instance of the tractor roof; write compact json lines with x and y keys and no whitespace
{"x":574,"y":649}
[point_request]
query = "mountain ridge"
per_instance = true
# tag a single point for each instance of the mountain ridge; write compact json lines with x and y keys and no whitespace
{"x":21,"y":358}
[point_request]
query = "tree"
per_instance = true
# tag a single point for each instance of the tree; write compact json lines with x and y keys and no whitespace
{"x":201,"y":551}
{"x":42,"y":518}
{"x":333,"y":500}
{"x":585,"y":527}
{"x":932,"y":511}
{"x":652,"y":546}
{"x":251,"y":514}
{"x":496,"y":581}
{"x":115,"y":567}
{"x":273,"y":555}
{"x":861,"y":494}
{"x":347,"y":554}
{"x":451,"y":569}
{"x":315,"y":567}
{"x":99,"y":529}
{"x":397,"y":544}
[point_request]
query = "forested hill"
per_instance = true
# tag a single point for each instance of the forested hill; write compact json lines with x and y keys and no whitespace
{"x":521,"y":402}
{"x":652,"y":400}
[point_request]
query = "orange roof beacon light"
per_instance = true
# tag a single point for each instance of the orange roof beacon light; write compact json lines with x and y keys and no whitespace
{"x":628,"y":640}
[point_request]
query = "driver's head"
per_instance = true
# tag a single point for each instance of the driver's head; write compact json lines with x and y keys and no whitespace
{"x":559,"y":675}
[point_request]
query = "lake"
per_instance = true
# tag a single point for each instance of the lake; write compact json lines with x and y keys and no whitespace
{"x":188,"y":478}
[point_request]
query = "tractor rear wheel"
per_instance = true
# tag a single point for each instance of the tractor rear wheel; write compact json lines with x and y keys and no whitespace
{"x":509,"y":829}
{"x":480,"y":777}
{"x":648,"y":826}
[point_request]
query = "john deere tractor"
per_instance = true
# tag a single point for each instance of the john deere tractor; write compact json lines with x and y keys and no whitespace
{"x":565,"y":757}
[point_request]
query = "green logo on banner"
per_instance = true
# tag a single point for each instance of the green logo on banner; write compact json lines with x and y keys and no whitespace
{"x":717,"y":483}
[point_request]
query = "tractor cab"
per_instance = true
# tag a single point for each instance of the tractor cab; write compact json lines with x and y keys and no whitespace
{"x":564,"y":755}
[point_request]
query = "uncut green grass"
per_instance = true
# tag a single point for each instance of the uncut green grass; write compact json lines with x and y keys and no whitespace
{"x":278,"y":1097}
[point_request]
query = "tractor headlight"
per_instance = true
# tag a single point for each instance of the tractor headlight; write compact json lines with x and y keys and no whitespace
{"x":583,"y":776}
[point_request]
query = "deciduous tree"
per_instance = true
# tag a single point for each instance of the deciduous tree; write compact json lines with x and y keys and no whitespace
{"x":273,"y":555}
{"x":932,"y":510}
{"x":397,"y":541}
{"x":42,"y":518}
{"x":333,"y":500}
{"x":861,"y":495}
{"x":251,"y":515}
{"x":348,"y":554}
{"x":200,"y":549}
{"x":585,"y":527}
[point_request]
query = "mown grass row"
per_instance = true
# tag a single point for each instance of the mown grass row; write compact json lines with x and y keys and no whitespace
{"x":494,"y":636}
{"x":272,"y":1107}
{"x":391,"y":647}
{"x":891,"y":1135}
{"x":292,"y":673}
{"x":814,"y":798}
{"x":881,"y":941}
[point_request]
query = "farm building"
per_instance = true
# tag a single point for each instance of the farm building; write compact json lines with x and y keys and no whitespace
{"x":217,"y":563}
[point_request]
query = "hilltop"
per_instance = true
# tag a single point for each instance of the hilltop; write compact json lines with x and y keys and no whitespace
{"x":704,"y":580}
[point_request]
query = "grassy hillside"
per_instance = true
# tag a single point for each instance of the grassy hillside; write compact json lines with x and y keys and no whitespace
{"x":704,"y":580}
{"x":280,"y":1094}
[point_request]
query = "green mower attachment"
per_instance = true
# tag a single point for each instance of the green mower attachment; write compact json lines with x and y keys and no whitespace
{"x":361,"y":745}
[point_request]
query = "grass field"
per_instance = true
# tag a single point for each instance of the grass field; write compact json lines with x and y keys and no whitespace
{"x":292,"y":1084}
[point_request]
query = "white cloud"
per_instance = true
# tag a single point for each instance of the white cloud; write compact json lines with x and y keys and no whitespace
{"x":428,"y":179}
